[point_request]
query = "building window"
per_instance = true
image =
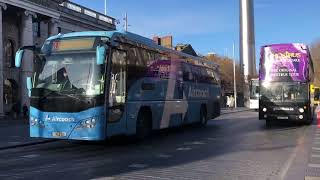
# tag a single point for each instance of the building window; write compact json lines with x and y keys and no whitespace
{"x":10,"y":96}
{"x":36,"y":29}
{"x":9,"y":53}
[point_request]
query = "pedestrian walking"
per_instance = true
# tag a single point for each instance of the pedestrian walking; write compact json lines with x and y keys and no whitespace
{"x":231,"y":102}
{"x":15,"y":110}
{"x":228,"y":102}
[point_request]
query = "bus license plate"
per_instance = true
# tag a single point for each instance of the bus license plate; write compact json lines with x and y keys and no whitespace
{"x":59,"y":134}
{"x":282,"y":117}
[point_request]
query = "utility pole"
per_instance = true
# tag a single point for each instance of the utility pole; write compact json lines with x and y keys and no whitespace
{"x":234,"y":78}
{"x":105,"y":7}
{"x":126,"y":22}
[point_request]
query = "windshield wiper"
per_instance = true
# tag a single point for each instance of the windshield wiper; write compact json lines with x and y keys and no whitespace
{"x":58,"y":93}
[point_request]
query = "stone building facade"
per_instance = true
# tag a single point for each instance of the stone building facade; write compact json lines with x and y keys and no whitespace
{"x":31,"y":22}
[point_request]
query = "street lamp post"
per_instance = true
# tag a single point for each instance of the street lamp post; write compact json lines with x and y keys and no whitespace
{"x":126,"y":21}
{"x":105,"y":7}
{"x":234,"y":78}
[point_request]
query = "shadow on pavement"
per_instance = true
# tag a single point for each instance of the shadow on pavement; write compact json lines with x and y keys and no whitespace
{"x":165,"y":149}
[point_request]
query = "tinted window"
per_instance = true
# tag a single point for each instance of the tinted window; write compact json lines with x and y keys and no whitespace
{"x":187,"y":75}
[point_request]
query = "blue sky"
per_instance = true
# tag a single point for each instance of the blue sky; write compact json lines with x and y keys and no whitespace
{"x":213,"y":25}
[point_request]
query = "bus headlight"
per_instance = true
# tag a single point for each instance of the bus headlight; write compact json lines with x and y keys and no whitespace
{"x":33,"y":121}
{"x":301,"y":117}
{"x":88,"y":123}
{"x":301,"y":110}
{"x":264,"y":109}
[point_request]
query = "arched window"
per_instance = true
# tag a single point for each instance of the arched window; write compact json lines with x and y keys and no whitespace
{"x":10,"y":91}
{"x":9,"y":53}
{"x":10,"y":96}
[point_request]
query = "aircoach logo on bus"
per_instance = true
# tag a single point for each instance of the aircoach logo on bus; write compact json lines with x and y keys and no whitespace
{"x":193,"y":92}
{"x":58,"y":119}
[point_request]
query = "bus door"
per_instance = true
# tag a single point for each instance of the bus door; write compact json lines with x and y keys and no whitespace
{"x":117,"y":92}
{"x":179,"y":95}
{"x":186,"y":79}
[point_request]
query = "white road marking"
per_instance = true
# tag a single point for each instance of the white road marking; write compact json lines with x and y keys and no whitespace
{"x":314,"y":165}
{"x":104,"y":178}
{"x":311,"y":178}
{"x":315,"y":155}
{"x":199,"y":143}
{"x":285,"y":168}
{"x":316,"y":148}
{"x":138,"y":166}
{"x":195,"y":143}
{"x":184,"y":149}
{"x":30,"y":156}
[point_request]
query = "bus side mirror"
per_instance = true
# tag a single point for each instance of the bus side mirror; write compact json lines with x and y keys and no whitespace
{"x":101,"y":52}
{"x":29,"y":85}
{"x":19,"y":56}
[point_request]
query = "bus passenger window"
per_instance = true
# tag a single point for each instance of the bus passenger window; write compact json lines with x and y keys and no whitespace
{"x":187,"y":75}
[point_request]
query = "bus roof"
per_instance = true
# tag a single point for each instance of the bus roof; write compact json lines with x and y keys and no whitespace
{"x":282,"y":44}
{"x":133,"y":37}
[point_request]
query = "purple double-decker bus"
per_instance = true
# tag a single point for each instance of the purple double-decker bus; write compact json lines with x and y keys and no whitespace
{"x":285,"y":83}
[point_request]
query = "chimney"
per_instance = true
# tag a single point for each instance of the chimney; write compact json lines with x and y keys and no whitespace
{"x":157,"y":40}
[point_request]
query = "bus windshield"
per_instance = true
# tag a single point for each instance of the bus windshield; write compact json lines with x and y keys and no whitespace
{"x":254,"y":89}
{"x":285,"y":92}
{"x":69,"y":73}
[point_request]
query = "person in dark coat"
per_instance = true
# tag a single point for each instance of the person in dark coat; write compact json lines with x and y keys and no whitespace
{"x":16,"y":110}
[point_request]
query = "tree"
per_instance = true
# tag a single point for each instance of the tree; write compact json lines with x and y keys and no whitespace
{"x":226,"y":73}
{"x":315,"y":56}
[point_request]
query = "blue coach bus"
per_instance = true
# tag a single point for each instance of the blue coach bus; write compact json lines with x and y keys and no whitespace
{"x":94,"y":85}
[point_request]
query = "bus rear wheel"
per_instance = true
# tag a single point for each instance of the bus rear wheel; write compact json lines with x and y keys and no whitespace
{"x":144,"y":125}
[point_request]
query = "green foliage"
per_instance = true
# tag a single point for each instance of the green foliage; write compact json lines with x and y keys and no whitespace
{"x":315,"y":55}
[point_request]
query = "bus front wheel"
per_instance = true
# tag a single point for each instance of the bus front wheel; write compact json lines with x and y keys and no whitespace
{"x":144,"y":124}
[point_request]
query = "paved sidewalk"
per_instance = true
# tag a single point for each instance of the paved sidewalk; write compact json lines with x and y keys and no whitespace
{"x":235,"y":110}
{"x":15,"y":133}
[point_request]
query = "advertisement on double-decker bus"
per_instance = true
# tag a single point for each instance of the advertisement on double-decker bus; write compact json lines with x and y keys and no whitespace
{"x":284,"y":62}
